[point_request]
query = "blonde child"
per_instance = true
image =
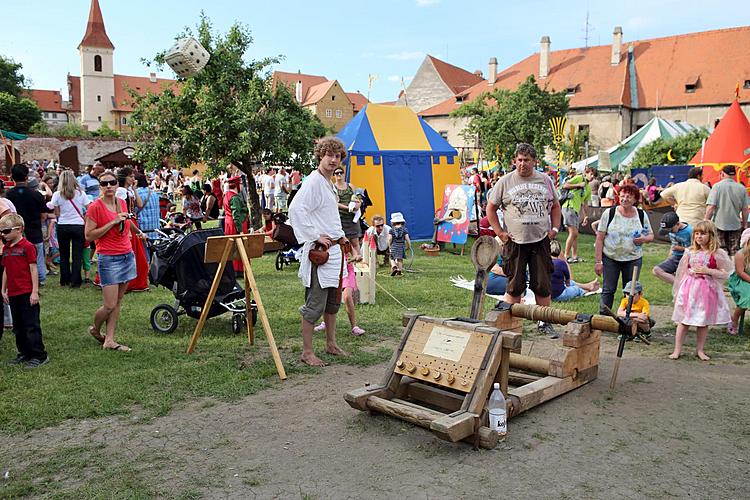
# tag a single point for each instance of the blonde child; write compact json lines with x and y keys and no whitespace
{"x":398,"y":241}
{"x":698,"y":291}
{"x":349,"y":286}
{"x":739,"y":281}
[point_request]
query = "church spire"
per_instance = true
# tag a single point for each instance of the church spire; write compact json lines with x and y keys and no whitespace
{"x":96,"y":34}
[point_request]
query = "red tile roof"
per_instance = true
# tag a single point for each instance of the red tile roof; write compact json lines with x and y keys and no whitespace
{"x":96,"y":34}
{"x":141,"y":84}
{"x":358,"y":100}
{"x":457,"y":79}
{"x":317,"y":92}
{"x":48,"y":100}
{"x":291,"y":79}
{"x":662,"y":67}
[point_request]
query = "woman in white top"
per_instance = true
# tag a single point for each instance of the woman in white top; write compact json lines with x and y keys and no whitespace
{"x":69,"y":202}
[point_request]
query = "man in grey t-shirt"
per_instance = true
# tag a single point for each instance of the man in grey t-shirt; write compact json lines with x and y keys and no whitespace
{"x":528,"y":201}
{"x":727,"y":205}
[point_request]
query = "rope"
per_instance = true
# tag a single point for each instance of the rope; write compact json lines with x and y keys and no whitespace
{"x":391,"y":295}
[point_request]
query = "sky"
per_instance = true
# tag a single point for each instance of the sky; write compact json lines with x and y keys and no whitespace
{"x":347,"y":41}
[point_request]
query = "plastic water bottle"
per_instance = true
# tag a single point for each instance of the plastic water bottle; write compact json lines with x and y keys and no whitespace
{"x":637,"y":234}
{"x":496,"y":406}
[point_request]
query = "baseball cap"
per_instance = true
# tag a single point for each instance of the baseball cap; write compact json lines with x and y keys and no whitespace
{"x":729,"y":170}
{"x":668,"y":221}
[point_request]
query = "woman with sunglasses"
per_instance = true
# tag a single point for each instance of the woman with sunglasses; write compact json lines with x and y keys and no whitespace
{"x":346,"y":194}
{"x":109,"y":223}
{"x":127,"y":193}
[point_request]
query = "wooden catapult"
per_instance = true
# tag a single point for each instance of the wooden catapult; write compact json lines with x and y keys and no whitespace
{"x":442,"y":372}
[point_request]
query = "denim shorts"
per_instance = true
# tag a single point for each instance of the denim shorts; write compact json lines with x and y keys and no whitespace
{"x":116,"y":269}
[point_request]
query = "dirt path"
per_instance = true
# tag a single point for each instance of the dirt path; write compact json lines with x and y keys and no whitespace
{"x":669,"y":429}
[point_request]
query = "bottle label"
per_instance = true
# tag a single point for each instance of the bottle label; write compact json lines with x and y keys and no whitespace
{"x":498,"y":422}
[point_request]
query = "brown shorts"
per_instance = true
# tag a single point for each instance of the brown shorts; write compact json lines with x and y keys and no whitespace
{"x":730,"y":241}
{"x":535,"y":256}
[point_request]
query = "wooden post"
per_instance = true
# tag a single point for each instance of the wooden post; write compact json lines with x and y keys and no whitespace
{"x":250,"y":282}
{"x":211,"y":295}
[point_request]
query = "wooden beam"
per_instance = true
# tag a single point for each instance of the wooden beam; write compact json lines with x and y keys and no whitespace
{"x":433,"y":395}
{"x":529,"y":363}
{"x":422,"y":417}
{"x":530,"y":395}
{"x":454,"y":428}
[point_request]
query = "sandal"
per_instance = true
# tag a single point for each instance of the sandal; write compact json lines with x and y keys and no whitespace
{"x":98,"y":336}
{"x":117,"y":347}
{"x":357,"y":331}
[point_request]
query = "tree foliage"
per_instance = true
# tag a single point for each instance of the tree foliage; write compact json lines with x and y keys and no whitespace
{"x":683,"y":149}
{"x":11,"y":80}
{"x":230,"y":112}
{"x":18,"y":114}
{"x":503,"y":118}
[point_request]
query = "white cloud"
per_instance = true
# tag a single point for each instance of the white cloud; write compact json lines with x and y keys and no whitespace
{"x":427,"y":3}
{"x":405,"y":55}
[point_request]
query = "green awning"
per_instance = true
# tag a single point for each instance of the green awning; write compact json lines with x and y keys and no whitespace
{"x":13,"y":136}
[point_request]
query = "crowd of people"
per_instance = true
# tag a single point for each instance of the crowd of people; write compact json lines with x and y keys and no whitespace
{"x":52,"y":216}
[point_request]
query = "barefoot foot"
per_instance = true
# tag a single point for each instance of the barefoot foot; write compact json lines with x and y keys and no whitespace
{"x":674,"y":355}
{"x":702,"y":356}
{"x":311,"y":359}
{"x":335,"y":350}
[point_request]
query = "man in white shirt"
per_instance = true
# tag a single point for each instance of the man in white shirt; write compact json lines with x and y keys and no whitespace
{"x":379,"y":231}
{"x":268,"y":188}
{"x":314,"y":216}
{"x":281,"y":190}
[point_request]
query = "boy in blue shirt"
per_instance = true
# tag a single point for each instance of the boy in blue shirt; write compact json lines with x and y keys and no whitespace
{"x":680,"y":234}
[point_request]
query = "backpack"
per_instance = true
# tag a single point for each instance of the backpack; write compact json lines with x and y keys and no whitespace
{"x":565,"y":195}
{"x":284,"y":233}
{"x":641,"y":215}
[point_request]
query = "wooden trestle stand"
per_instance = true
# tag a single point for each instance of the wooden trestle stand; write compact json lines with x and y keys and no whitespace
{"x":223,"y":249}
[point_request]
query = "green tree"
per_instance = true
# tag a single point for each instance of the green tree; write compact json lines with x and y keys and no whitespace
{"x":18,"y":114}
{"x":502,"y":118}
{"x":230,"y":112}
{"x":683,"y":149}
{"x":70,"y":129}
{"x":11,"y":79}
{"x":105,"y":131}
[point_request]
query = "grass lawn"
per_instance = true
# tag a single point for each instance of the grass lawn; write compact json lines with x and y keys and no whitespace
{"x":82,"y":381}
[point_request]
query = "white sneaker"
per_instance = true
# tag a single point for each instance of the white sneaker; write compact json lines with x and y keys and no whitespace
{"x":321,"y":327}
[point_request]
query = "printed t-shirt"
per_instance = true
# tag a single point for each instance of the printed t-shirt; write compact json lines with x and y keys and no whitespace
{"x":16,"y":260}
{"x":578,"y":196}
{"x":114,"y":241}
{"x":638,"y":307}
{"x":526,"y":203}
{"x":681,"y":238}
{"x":618,"y":242}
{"x":560,"y":277}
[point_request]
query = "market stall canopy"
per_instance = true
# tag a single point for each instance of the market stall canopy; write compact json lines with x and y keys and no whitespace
{"x":622,"y":154}
{"x":729,"y":144}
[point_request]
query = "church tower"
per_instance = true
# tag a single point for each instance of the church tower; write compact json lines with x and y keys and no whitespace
{"x":97,"y":72}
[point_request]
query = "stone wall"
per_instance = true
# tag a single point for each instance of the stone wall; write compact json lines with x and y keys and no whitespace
{"x":46,"y":148}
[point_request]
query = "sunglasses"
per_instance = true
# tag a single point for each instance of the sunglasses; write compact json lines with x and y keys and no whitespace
{"x":108,"y":183}
{"x":338,"y":173}
{"x":9,"y":230}
{"x":378,"y":225}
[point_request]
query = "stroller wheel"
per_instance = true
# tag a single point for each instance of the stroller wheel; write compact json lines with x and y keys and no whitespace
{"x":239,"y":323}
{"x":164,"y":318}
{"x":279,"y":261}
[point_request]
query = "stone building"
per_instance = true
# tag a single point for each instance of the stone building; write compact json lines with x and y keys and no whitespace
{"x":615,"y":89}
{"x":51,"y":104}
{"x":322,"y":97}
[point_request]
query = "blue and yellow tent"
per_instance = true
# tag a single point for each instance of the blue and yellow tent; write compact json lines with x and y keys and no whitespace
{"x":402,"y":162}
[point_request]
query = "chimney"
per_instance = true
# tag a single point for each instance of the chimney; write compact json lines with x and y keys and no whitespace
{"x":152,"y":77}
{"x":616,"y":45}
{"x":298,"y":91}
{"x":544,"y":58}
{"x":492,"y":75}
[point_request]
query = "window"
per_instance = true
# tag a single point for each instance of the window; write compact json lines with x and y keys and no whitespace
{"x":460,"y":98}
{"x":99,"y":118}
{"x":329,"y":113}
{"x":333,"y":97}
{"x":692,"y":84}
{"x":690,"y":88}
{"x":338,"y":113}
{"x":98,"y":98}
{"x":444,"y":134}
{"x":583,"y":129}
{"x":98,"y":63}
{"x":54,"y":115}
{"x":571,"y":90}
{"x":746,"y":85}
{"x":45,"y":114}
{"x":124,"y":121}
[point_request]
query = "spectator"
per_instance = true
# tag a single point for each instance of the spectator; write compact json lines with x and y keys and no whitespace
{"x":348,"y":204}
{"x":209,"y":203}
{"x":280,"y":191}
{"x":727,"y":207}
{"x":90,"y":180}
{"x":69,"y":203}
{"x":573,"y":208}
{"x":150,"y":212}
{"x":689,"y":197}
{"x":680,"y":235}
{"x":379,"y":231}
{"x":269,"y":186}
{"x":191,"y":206}
{"x":32,"y":207}
{"x":562,"y":285}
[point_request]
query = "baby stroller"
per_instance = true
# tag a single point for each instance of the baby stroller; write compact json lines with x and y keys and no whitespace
{"x":284,"y":233}
{"x":178,"y":264}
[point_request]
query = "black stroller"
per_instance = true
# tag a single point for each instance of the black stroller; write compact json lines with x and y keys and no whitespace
{"x":178,"y":264}
{"x":284,"y":233}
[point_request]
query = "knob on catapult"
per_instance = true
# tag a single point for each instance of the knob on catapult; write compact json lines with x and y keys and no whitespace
{"x":425,"y":371}
{"x":410,"y":367}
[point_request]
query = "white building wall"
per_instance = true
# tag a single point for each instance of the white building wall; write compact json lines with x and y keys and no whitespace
{"x":97,"y":88}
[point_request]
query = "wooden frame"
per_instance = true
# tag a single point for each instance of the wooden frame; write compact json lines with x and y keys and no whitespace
{"x":223,"y":249}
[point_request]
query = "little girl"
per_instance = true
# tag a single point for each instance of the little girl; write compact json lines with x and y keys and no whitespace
{"x":398,"y":240}
{"x":739,"y":281}
{"x":698,"y":290}
{"x":350,"y":288}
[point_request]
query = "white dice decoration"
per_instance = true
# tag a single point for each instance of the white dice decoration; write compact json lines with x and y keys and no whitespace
{"x":187,"y":57}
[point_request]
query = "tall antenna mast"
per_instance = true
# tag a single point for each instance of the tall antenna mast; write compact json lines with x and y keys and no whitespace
{"x":587,"y":29}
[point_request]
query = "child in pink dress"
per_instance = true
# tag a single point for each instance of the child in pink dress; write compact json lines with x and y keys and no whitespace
{"x":349,"y":286}
{"x":698,"y":288}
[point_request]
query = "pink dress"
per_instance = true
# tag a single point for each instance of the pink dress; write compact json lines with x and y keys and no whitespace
{"x":699,"y":299}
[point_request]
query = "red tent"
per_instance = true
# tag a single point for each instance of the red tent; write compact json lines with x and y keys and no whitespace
{"x":729,"y":144}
